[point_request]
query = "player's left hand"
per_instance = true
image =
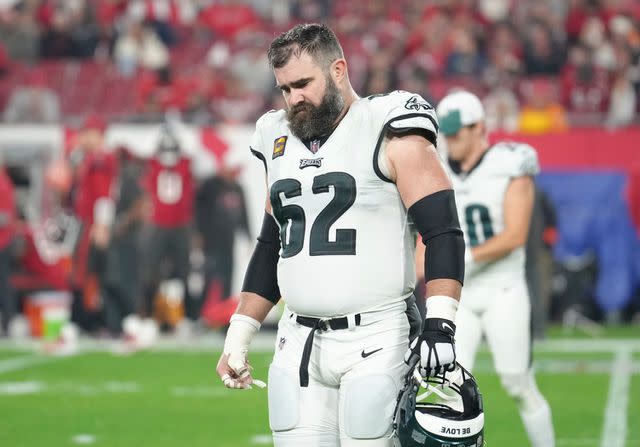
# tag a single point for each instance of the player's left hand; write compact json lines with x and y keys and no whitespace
{"x":435,"y":347}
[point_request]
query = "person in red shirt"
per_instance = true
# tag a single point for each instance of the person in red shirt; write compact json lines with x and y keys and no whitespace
{"x":94,"y":207}
{"x":7,"y":227}
{"x":170,"y":185}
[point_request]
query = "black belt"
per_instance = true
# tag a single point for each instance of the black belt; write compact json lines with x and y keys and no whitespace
{"x":318,"y":324}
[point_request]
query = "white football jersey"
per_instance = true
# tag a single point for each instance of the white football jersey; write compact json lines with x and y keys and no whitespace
{"x":480,"y":202}
{"x":347,"y":245}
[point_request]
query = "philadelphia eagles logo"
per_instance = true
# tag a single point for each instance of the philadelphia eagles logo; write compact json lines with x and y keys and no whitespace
{"x":306,"y":162}
{"x":414,"y":104}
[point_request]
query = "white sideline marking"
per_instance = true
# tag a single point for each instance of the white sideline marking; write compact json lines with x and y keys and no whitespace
{"x":261,"y":440}
{"x":83,"y":439}
{"x":577,"y":442}
{"x":265,"y":342}
{"x":19,"y":388}
{"x":560,"y":366}
{"x":614,"y":431}
{"x":98,"y":389}
{"x":18,"y":363}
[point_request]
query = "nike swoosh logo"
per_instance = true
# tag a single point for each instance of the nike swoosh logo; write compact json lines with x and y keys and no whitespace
{"x":367,"y":354}
{"x":446,"y":326}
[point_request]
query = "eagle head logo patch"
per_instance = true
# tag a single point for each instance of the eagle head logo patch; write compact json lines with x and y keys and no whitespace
{"x":278,"y":147}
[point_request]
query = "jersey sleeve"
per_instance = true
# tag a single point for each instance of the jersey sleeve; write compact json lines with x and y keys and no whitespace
{"x":524,"y":161}
{"x":411,"y":113}
{"x":257,"y":146}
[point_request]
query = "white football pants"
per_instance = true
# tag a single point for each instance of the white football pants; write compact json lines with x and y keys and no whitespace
{"x":355,"y":376}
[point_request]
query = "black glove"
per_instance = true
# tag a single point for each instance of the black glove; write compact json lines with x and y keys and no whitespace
{"x":435,"y":347}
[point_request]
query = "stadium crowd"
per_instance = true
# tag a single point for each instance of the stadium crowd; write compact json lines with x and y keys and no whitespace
{"x":540,"y":66}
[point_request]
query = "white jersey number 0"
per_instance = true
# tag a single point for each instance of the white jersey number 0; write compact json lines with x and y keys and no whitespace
{"x":169,"y":187}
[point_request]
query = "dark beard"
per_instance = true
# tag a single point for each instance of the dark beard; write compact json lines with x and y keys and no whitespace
{"x":309,"y":122}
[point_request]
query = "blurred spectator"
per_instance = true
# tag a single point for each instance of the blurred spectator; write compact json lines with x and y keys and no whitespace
{"x":426,"y":47}
{"x":310,"y":10}
{"x":504,"y":53}
{"x":541,"y":113}
{"x":238,"y":104}
{"x":139,"y":46}
{"x":85,"y":34}
{"x":58,"y":22}
{"x":495,"y":10}
{"x":122,"y":279}
{"x":228,"y":18}
{"x":70,"y":28}
{"x":220,"y":213}
{"x":33,"y":102}
{"x":169,"y":183}
{"x":429,"y":41}
{"x":464,"y":58}
{"x":623,"y":98}
{"x":542,"y":54}
{"x":502,"y":110}
{"x":20,"y":34}
{"x":7,"y":231}
{"x":251,"y":66}
{"x":94,"y":207}
{"x":165,"y":16}
{"x":585,"y":86}
{"x":578,"y":13}
{"x":209,"y":84}
{"x":379,"y":78}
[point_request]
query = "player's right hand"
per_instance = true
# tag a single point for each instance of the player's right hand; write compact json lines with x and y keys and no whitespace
{"x":234,"y":371}
{"x":435,"y":347}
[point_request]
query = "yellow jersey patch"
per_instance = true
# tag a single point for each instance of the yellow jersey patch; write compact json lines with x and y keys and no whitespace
{"x":278,"y":146}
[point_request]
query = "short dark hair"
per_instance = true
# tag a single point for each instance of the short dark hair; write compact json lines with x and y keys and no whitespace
{"x":316,"y":39}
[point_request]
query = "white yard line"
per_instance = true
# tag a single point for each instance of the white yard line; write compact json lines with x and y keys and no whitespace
{"x":614,"y":432}
{"x":22,"y":362}
{"x":561,"y":366}
{"x":265,"y":342}
{"x":578,"y":442}
{"x":588,"y":345}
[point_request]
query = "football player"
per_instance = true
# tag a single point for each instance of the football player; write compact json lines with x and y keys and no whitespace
{"x":170,"y":184}
{"x":494,"y":191}
{"x":345,"y":175}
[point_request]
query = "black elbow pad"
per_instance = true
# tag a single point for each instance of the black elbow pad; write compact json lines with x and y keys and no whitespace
{"x":436,"y":218}
{"x":261,"y":276}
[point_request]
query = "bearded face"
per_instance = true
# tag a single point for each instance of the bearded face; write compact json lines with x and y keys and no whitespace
{"x":308,"y":121}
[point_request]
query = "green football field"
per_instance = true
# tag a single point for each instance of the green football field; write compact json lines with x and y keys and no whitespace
{"x":171,"y":397}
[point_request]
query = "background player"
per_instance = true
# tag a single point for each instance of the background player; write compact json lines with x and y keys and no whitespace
{"x":494,"y":192}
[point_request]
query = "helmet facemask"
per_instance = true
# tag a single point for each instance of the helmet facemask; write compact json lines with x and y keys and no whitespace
{"x":448,"y":413}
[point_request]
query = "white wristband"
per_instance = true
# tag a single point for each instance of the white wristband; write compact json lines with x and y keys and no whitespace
{"x":442,"y":306}
{"x":242,"y":329}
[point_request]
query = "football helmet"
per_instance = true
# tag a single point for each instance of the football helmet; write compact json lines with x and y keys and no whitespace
{"x":168,"y":150}
{"x":455,"y":420}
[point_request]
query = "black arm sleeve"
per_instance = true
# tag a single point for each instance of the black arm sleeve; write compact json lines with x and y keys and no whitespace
{"x":261,"y":276}
{"x":436,"y":218}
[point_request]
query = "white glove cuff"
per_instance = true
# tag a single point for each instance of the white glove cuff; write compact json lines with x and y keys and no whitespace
{"x":442,"y":306}
{"x":242,"y":329}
